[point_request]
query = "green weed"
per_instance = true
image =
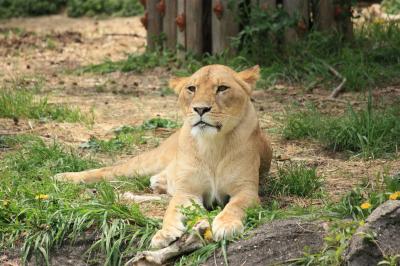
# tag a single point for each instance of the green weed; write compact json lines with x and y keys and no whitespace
{"x":295,"y":179}
{"x":23,"y":104}
{"x":335,"y":244}
{"x":369,"y":132}
{"x":362,"y":200}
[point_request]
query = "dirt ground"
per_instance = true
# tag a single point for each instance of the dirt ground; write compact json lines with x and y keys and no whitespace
{"x":44,"y":50}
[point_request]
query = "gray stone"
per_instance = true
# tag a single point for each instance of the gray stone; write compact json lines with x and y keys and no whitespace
{"x":383,"y":225}
{"x":274,"y":242}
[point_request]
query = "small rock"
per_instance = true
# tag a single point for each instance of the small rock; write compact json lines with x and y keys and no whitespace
{"x":384,"y":225}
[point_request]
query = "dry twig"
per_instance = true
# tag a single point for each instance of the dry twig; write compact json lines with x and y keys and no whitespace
{"x":339,"y":88}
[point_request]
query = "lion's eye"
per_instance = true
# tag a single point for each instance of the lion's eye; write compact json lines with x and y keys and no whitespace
{"x":191,"y":89}
{"x":222,"y":88}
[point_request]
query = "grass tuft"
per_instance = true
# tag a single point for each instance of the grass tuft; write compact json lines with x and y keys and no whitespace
{"x":369,"y":132}
{"x":127,"y":136}
{"x":295,"y":179}
{"x":23,"y":104}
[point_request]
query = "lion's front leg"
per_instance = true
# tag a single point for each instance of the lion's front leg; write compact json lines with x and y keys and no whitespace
{"x":229,"y":222}
{"x":173,"y":223}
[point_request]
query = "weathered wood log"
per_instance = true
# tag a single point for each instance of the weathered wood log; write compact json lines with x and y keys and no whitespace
{"x":154,"y":25}
{"x":169,"y":24}
{"x":224,"y":26}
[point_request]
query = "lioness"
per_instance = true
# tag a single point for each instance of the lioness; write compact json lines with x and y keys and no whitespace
{"x":216,"y":157}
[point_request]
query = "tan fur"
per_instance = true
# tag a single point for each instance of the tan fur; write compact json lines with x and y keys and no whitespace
{"x":204,"y":164}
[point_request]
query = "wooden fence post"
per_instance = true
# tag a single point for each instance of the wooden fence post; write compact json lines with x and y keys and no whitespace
{"x":267,"y":5}
{"x":224,"y":25}
{"x":296,"y":8}
{"x":194,"y":26}
{"x":181,"y":29}
{"x":343,"y":16}
{"x":154,"y":25}
{"x":169,"y":24}
{"x":325,"y":15}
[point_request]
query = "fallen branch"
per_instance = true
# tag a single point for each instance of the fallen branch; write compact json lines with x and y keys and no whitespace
{"x":339,"y":88}
{"x":189,"y":242}
{"x":123,"y":34}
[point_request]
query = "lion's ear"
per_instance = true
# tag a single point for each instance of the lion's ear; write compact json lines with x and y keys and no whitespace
{"x":177,"y":83}
{"x":250,"y":75}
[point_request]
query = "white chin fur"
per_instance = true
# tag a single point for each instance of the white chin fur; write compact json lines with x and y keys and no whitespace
{"x":206,"y":131}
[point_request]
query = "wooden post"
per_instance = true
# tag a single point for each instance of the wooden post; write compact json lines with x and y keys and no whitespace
{"x":169,"y":24}
{"x":181,"y":30}
{"x":154,"y":25}
{"x":344,"y":16}
{"x":267,"y":5}
{"x":296,"y":8}
{"x":224,"y":26}
{"x":325,"y":15}
{"x":194,"y":26}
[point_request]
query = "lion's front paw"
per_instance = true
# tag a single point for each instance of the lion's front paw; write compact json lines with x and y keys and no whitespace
{"x":164,"y":237}
{"x":226,"y":227}
{"x":69,"y":177}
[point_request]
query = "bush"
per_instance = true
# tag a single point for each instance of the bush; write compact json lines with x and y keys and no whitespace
{"x":75,"y":8}
{"x":20,"y":8}
{"x":78,"y":8}
{"x":391,"y":6}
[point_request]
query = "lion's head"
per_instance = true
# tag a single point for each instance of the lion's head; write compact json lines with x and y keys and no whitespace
{"x":215,"y":98}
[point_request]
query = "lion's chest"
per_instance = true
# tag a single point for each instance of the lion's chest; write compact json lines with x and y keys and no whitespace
{"x":214,"y":186}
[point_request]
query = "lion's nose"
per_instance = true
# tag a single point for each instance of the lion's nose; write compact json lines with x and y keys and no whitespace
{"x":202,"y":110}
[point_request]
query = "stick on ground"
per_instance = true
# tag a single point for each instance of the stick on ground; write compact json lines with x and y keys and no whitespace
{"x":189,"y":242}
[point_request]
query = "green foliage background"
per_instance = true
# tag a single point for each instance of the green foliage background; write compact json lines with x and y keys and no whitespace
{"x":75,"y":8}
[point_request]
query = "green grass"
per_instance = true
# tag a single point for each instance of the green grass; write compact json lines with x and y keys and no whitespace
{"x":295,"y":179}
{"x":20,"y":103}
{"x":370,"y":132}
{"x":128,"y":136}
{"x":38,"y":215}
{"x":135,"y":62}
